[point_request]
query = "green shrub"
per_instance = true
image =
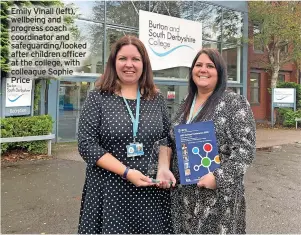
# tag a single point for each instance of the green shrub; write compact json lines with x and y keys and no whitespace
{"x":287,"y":116}
{"x":26,"y":126}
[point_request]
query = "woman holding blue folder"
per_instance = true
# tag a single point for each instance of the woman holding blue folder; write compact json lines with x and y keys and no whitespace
{"x":216,"y":204}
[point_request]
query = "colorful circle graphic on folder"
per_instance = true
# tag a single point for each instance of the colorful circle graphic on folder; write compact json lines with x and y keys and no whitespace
{"x":205,"y":160}
{"x":197,"y":150}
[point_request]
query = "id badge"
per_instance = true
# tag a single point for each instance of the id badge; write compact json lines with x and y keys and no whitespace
{"x":134,"y":149}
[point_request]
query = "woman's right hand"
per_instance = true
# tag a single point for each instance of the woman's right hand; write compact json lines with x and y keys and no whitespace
{"x":166,"y":178}
{"x":138,"y":179}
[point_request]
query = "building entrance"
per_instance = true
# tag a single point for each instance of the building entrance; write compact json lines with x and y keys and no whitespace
{"x":72,"y":96}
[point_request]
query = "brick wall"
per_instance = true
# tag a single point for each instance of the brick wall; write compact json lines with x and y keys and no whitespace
{"x":262,"y":111}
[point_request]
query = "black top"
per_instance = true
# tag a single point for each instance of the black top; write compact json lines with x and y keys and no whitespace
{"x":109,"y":203}
{"x":198,"y":210}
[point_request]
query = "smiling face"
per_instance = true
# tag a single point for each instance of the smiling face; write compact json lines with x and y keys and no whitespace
{"x":129,"y":65}
{"x":204,"y":74}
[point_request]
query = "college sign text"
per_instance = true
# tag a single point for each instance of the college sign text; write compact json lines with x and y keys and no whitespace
{"x":170,"y":41}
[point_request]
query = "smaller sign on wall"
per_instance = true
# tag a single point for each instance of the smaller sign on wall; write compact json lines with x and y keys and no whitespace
{"x":283,"y":98}
{"x":62,"y":90}
{"x":18,"y":92}
{"x":171,"y":95}
{"x":17,"y":111}
{"x":284,"y":95}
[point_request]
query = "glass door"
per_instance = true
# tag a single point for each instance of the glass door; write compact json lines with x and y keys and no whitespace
{"x":72,"y":96}
{"x":174,"y":94}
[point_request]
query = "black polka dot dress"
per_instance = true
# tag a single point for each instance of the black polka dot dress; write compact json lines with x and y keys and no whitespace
{"x":109,"y":203}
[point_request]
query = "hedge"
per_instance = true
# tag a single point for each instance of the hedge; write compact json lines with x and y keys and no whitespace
{"x":287,"y":116}
{"x":26,"y":126}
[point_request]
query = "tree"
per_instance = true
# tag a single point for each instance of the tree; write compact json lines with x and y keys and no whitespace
{"x":278,"y":27}
{"x":5,"y":44}
{"x":5,"y":5}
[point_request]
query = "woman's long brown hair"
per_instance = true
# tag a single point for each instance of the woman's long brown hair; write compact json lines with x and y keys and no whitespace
{"x":109,"y":81}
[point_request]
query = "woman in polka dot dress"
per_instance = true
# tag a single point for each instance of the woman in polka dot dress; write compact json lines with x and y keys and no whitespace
{"x":118,"y":197}
{"x":216,"y":204}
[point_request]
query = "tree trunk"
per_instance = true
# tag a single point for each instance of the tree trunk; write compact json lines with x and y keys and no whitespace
{"x":274,"y":72}
{"x":274,"y":57}
{"x":274,"y":78}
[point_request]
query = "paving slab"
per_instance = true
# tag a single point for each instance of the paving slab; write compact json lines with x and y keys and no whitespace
{"x":265,"y":139}
{"x":274,"y":137}
{"x":41,"y":196}
{"x":273,"y":192}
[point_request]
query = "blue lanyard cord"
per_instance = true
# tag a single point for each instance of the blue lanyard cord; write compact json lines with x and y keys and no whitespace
{"x":190,"y":119}
{"x":135,"y":121}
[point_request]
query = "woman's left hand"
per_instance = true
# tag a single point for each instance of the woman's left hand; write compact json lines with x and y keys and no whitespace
{"x":207,"y":181}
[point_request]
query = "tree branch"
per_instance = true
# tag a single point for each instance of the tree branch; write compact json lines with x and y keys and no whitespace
{"x":284,"y":61}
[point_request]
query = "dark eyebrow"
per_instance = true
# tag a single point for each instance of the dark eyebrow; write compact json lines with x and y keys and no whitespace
{"x":198,"y":62}
{"x":136,"y":56}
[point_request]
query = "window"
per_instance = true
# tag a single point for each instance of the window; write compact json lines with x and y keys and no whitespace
{"x":174,"y":95}
{"x":88,"y":10}
{"x":113,"y":35}
{"x":232,"y":26}
{"x":169,"y":8}
{"x":211,"y":18}
{"x":284,"y":49}
{"x":281,"y":78}
{"x":211,"y":44}
{"x":257,"y":45}
{"x":255,"y":88}
{"x":72,"y":96}
{"x":232,"y":57}
{"x":91,"y":33}
{"x":125,"y":12}
{"x":176,"y":72}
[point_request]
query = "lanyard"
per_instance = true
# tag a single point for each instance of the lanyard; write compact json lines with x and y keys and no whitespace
{"x":190,"y":119}
{"x":135,"y":121}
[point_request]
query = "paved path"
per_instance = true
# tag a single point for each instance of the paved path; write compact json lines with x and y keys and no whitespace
{"x":265,"y":138}
{"x":43,"y":196}
{"x":271,"y":137}
{"x":273,"y":192}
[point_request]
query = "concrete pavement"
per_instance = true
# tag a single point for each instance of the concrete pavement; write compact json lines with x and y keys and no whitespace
{"x":265,"y":139}
{"x":43,"y":196}
{"x":273,"y":192}
{"x":273,"y":137}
